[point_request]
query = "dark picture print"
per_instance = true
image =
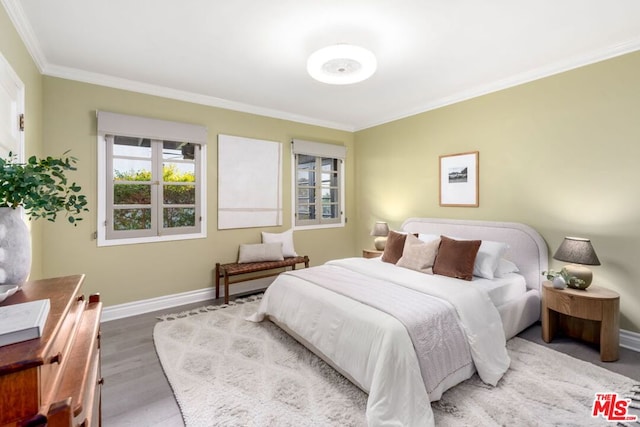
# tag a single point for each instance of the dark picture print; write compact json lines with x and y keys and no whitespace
{"x":457,"y":175}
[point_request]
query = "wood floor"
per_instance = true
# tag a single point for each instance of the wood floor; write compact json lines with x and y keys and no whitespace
{"x":136,"y":392}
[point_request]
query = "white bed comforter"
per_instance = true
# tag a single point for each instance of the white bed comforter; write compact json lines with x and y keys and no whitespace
{"x":373,"y":348}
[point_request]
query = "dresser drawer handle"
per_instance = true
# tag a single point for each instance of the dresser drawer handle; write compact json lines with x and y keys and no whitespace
{"x":56,"y":359}
{"x":101,"y":381}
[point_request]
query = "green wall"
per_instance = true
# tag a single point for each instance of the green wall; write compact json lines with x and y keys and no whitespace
{"x":16,"y":54}
{"x":559,"y":154}
{"x":134,"y":272}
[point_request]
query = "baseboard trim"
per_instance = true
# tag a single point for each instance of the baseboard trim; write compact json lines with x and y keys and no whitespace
{"x":630,"y":340}
{"x":120,"y":311}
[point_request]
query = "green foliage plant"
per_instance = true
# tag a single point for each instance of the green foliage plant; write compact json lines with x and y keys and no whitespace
{"x":568,"y":278}
{"x":41,"y":187}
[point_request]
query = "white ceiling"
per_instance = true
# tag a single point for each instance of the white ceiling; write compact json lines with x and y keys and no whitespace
{"x":250,"y":55}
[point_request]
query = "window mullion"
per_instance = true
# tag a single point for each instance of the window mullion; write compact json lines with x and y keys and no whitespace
{"x":109,"y":183}
{"x":156,"y":193}
{"x":318,"y":187}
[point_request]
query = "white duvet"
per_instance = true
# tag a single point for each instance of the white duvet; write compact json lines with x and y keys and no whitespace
{"x":373,"y":349}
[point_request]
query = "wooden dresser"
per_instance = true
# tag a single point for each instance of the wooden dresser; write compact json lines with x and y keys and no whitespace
{"x":54,"y":380}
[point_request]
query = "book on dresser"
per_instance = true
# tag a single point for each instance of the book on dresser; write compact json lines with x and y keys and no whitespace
{"x":23,"y":321}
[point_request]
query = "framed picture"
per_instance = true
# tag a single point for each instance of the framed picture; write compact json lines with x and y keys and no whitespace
{"x":459,"y":179}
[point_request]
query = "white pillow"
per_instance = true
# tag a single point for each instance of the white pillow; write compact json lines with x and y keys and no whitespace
{"x":260,"y":252}
{"x":428,"y":237}
{"x":487,"y":258}
{"x":505,"y":267}
{"x":286,"y":238}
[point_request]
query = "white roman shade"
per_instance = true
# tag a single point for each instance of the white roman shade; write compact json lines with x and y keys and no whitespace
{"x":318,"y":149}
{"x":144,"y":127}
{"x":249,"y":182}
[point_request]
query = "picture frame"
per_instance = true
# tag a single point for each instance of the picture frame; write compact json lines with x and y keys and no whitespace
{"x":459,"y":179}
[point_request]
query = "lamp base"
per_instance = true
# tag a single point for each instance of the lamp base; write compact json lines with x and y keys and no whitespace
{"x":380,"y":242}
{"x":580,"y":272}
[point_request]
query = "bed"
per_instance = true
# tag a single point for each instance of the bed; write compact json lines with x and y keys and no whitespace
{"x":367,"y":318}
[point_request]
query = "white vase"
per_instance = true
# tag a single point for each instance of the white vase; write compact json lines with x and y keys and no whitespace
{"x":559,"y":282}
{"x":15,"y":247}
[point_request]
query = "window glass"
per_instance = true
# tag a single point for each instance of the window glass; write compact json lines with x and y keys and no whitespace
{"x":154,"y":188}
{"x":317,"y":202}
{"x":179,"y":217}
{"x":132,"y":147}
{"x":131,"y":194}
{"x":179,"y":194}
{"x":132,"y":219}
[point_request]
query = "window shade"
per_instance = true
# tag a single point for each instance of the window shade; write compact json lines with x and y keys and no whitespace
{"x":249,"y":182}
{"x":318,"y":149}
{"x":144,"y":127}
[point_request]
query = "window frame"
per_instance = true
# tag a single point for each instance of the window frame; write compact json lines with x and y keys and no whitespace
{"x":157,"y":233}
{"x":319,"y":222}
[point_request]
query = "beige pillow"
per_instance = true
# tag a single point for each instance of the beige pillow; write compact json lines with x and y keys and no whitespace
{"x":260,"y":252}
{"x":286,"y":238}
{"x":418,"y":255}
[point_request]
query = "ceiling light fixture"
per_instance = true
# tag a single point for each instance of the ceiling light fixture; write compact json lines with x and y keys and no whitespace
{"x":341,"y":64}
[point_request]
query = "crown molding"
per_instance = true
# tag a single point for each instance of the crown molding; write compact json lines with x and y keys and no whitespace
{"x":518,"y":79}
{"x":165,"y":92}
{"x":20,"y":22}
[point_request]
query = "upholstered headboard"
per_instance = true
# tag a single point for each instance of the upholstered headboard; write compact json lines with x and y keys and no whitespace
{"x":527,"y":249}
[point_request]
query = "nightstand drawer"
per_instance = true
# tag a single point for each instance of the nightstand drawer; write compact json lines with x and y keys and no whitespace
{"x":371,"y":253}
{"x":571,"y":305}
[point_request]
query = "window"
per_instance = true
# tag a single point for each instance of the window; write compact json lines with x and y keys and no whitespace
{"x":318,"y":184}
{"x":151,"y":187}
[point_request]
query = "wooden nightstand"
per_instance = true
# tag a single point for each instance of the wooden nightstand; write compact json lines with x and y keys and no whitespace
{"x":371,"y":253}
{"x":592,"y":315}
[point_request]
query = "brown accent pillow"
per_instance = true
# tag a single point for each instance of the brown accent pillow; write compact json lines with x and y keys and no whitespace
{"x":456,"y":258}
{"x":393,"y":249}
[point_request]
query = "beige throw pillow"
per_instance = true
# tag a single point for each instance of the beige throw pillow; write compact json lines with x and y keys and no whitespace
{"x":286,"y":238}
{"x":418,"y":255}
{"x":260,"y":252}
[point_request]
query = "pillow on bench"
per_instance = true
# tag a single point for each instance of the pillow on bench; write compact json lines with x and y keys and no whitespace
{"x":260,"y":252}
{"x":286,"y":238}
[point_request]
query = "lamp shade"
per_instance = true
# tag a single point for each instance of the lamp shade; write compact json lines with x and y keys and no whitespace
{"x":380,"y":229}
{"x":577,"y":250}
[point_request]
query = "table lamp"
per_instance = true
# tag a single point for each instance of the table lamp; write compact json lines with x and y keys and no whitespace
{"x":380,"y":230}
{"x":577,"y":250}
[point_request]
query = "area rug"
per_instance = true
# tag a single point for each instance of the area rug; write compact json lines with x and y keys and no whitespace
{"x":226,"y":371}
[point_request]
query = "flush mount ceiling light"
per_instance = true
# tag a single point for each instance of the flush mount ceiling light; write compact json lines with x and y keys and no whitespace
{"x":341,"y":64}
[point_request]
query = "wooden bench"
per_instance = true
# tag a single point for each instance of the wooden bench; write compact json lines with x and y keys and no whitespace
{"x":234,"y":269}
